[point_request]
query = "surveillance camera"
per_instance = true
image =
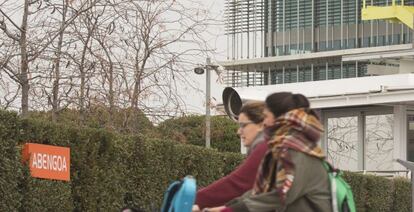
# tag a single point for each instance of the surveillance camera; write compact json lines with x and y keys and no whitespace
{"x":199,"y":70}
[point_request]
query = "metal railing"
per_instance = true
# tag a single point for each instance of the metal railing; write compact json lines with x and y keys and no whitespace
{"x":386,"y":173}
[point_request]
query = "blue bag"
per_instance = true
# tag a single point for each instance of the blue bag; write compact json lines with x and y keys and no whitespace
{"x":180,"y":196}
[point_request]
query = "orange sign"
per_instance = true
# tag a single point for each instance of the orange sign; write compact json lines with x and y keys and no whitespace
{"x":48,"y":162}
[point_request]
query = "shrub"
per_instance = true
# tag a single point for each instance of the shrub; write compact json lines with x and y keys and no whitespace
{"x":402,"y":197}
{"x":358,"y":183}
{"x":94,"y":168}
{"x":10,"y":166}
{"x":39,"y":194}
{"x":380,"y":193}
{"x":109,"y":171}
{"x":122,"y":120}
{"x":154,"y":165}
{"x":191,"y":130}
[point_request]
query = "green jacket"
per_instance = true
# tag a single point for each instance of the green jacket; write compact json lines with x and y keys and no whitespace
{"x":310,"y":191}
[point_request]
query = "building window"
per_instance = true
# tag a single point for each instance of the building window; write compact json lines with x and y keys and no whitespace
{"x":334,"y":13}
{"x":266,"y":76}
{"x":330,"y":45}
{"x":382,"y":40}
{"x":305,"y":13}
{"x":291,"y":14}
{"x":396,"y":39}
{"x":360,"y":139}
{"x":277,"y":77}
{"x":308,"y":47}
{"x":379,"y":142}
{"x":320,"y":13}
{"x":279,"y":50}
{"x":374,"y":41}
{"x":351,"y":43}
{"x":349,"y":70}
{"x":380,"y":3}
{"x":349,"y":11}
{"x":366,"y":42}
{"x":337,"y":44}
{"x":291,"y":75}
{"x":342,"y":142}
{"x":362,"y":70}
{"x":305,"y":74}
{"x":334,"y":72}
{"x":405,"y":38}
{"x":294,"y":49}
{"x":278,"y":7}
{"x":319,"y":73}
{"x":322,"y":46}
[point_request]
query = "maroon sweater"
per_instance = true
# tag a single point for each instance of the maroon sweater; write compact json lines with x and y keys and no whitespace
{"x":233,"y":185}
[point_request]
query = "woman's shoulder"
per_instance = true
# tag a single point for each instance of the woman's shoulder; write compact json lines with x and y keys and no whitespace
{"x":302,"y":159}
{"x":260,"y":147}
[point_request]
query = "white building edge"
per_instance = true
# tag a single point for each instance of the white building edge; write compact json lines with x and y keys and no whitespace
{"x":356,"y":73}
{"x":369,"y":120}
{"x":374,"y":116}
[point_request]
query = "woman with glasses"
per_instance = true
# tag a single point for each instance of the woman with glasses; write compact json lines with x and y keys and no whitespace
{"x":250,"y":130}
{"x":291,"y":176}
{"x":250,"y":122}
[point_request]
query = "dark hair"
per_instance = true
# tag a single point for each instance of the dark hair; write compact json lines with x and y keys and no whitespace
{"x":282,"y":102}
{"x":253,"y":111}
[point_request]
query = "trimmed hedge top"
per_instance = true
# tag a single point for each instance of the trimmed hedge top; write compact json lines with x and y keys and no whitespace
{"x":191,"y":130}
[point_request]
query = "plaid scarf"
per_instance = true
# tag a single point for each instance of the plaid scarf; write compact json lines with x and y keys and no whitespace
{"x":298,"y":129}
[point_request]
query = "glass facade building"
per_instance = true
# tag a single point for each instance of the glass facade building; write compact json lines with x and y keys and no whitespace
{"x":368,"y":123}
{"x":279,"y":28}
{"x":302,"y":26}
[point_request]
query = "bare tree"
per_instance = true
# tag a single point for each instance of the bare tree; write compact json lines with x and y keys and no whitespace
{"x":57,"y":60}
{"x":128,"y":55}
{"x":84,"y":30}
{"x":159,"y":40}
{"x":10,"y":91}
{"x":31,"y":37}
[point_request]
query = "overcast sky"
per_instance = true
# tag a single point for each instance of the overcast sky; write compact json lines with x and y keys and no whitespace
{"x":195,"y":100}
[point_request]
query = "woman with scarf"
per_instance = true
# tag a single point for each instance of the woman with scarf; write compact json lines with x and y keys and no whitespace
{"x":291,"y":176}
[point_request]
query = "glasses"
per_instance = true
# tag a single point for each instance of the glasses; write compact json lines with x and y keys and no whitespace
{"x":244,"y":124}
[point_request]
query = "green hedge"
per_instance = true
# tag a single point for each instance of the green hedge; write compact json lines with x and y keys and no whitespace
{"x":402,"y":201}
{"x":154,"y":165}
{"x":122,"y":120}
{"x":97,"y":170}
{"x":10,"y":167}
{"x":109,"y":171}
{"x":191,"y":130}
{"x":358,"y":183}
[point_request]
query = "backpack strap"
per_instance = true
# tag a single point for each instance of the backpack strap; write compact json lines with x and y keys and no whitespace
{"x":342,"y":196}
{"x":331,"y":175}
